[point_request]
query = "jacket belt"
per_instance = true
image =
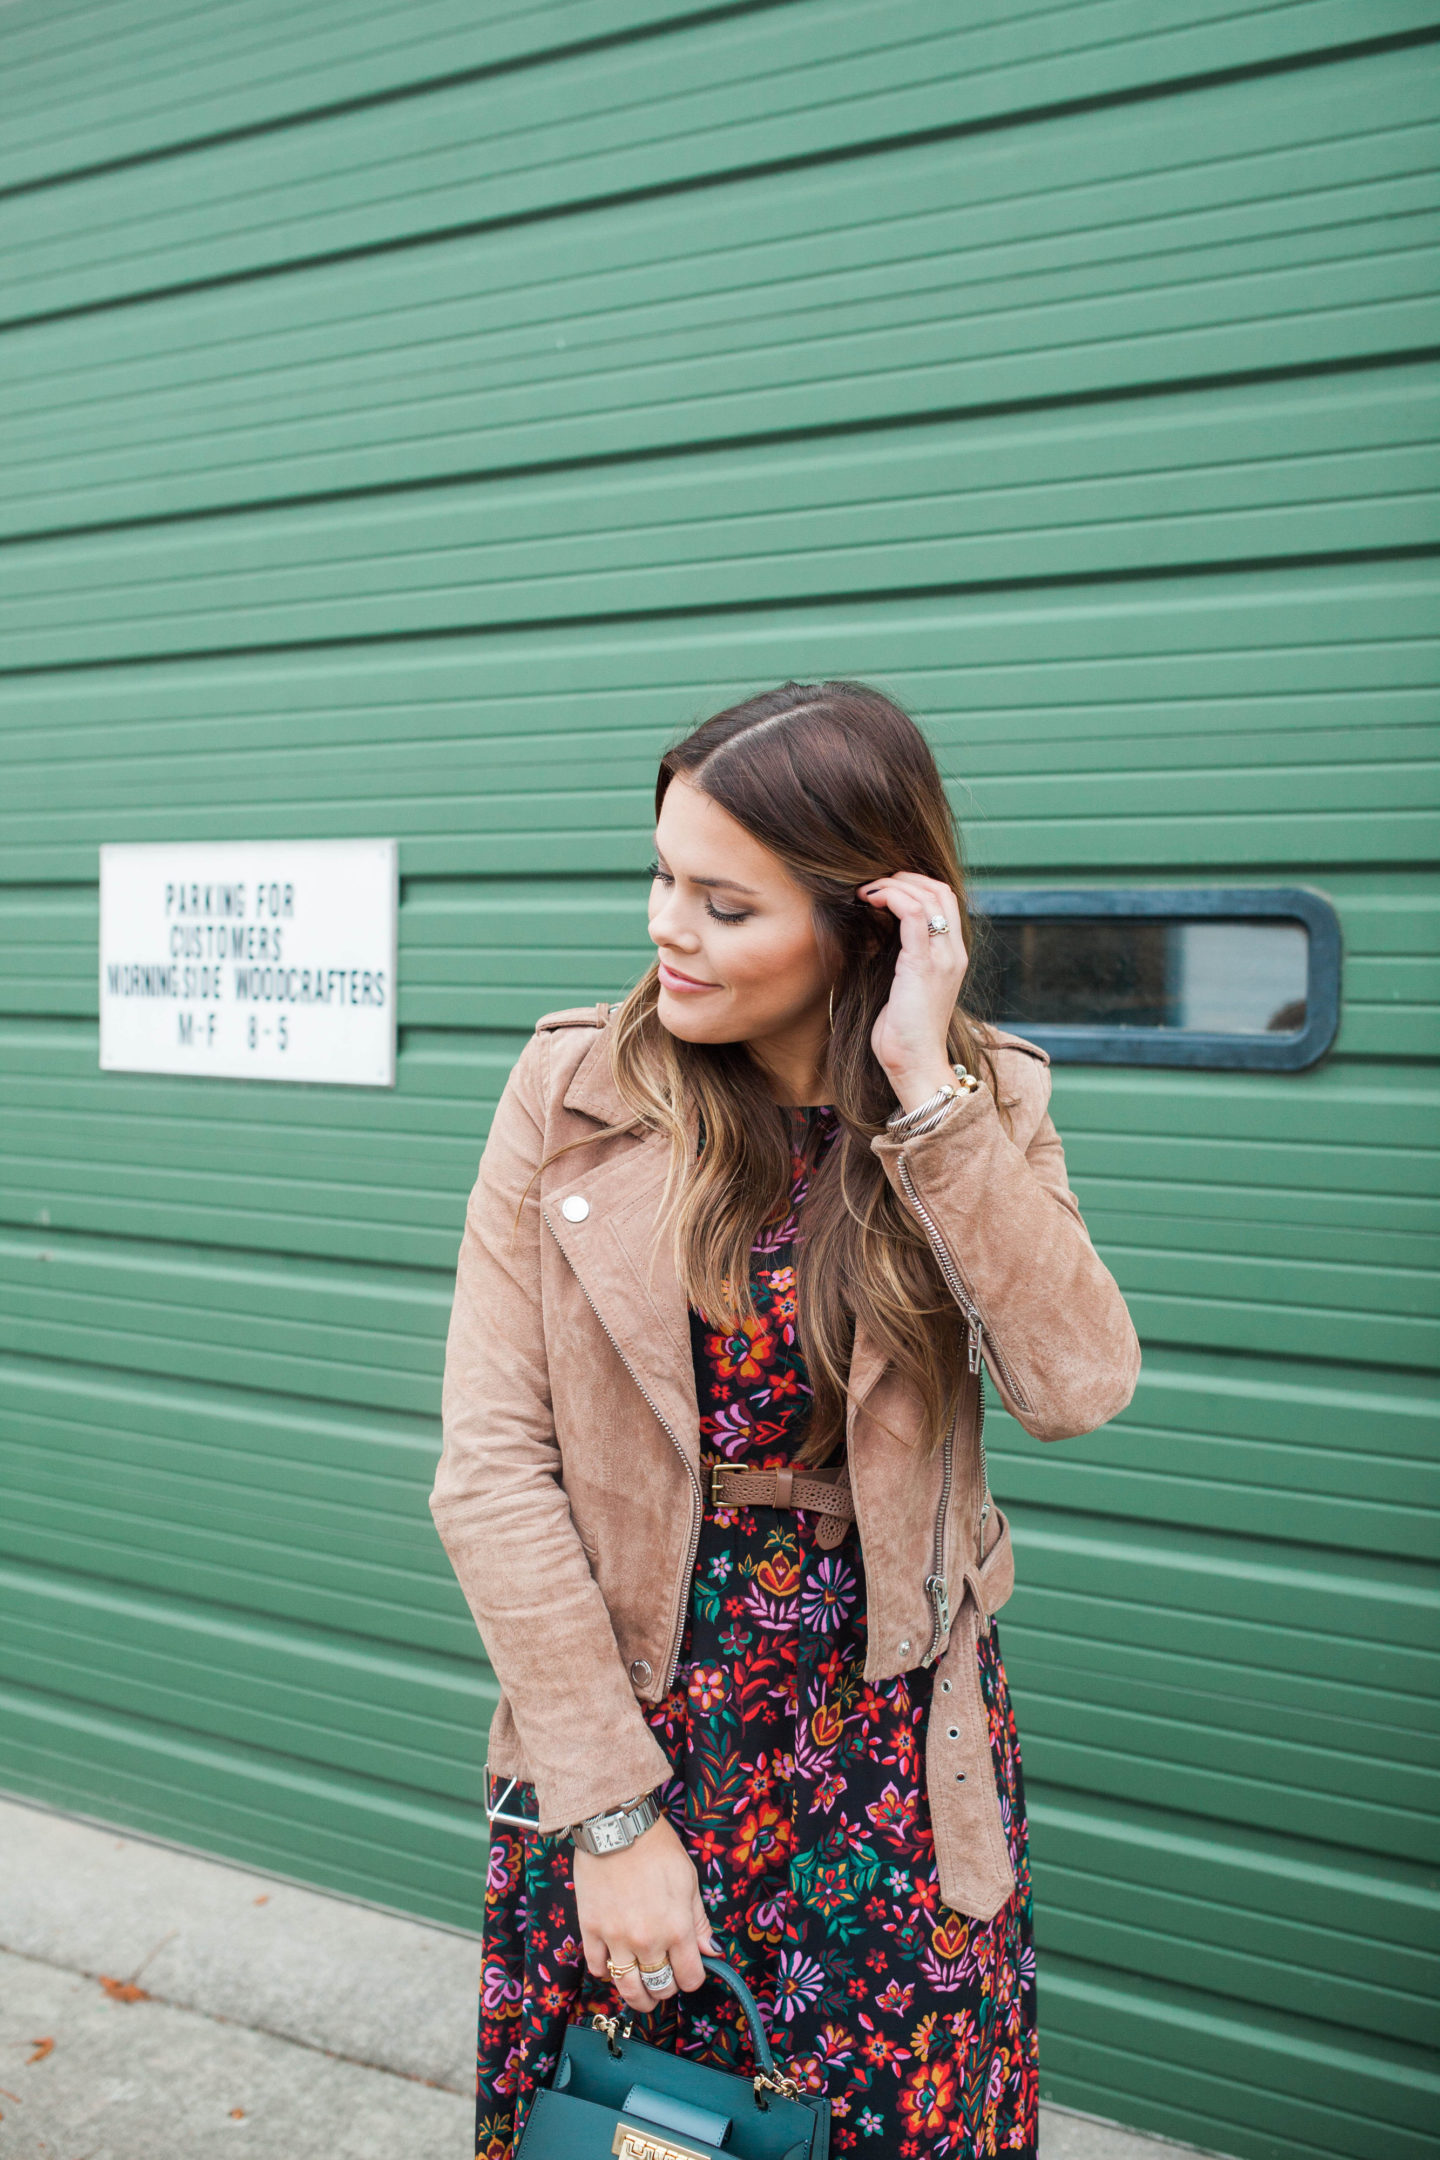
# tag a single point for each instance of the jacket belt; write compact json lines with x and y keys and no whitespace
{"x":972,"y":1852}
{"x":825,"y":1493}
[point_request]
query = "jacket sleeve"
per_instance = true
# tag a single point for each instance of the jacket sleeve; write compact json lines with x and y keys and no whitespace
{"x":1054,"y":1329}
{"x":499,"y":1503}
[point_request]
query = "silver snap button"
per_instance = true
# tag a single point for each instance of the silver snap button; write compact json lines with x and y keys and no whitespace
{"x":954,"y":1732}
{"x":640,"y":1668}
{"x":904,"y":1646}
{"x":574,"y":1207}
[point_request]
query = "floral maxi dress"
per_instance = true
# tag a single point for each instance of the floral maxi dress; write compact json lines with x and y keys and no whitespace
{"x":799,"y":1791}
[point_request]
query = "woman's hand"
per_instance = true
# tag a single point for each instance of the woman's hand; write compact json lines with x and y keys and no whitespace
{"x":643,"y":1902}
{"x":909,"y":1036}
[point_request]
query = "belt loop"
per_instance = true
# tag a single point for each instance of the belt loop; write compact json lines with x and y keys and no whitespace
{"x":972,"y":1584}
{"x":784,"y":1486}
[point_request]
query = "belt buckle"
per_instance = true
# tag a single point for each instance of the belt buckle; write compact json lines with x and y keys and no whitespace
{"x":717,"y":1498}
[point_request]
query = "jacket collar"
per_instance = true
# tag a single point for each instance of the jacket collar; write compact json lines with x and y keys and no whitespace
{"x":592,"y":1089}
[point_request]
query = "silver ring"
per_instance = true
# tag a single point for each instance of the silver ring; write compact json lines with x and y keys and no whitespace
{"x":658,"y":1979}
{"x":937,"y":926}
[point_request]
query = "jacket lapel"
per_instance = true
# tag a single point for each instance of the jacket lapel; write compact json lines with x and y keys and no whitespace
{"x":867,"y":1362}
{"x":623,"y":1261}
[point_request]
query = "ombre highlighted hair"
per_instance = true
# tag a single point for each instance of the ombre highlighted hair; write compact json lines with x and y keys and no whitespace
{"x":841,"y":785}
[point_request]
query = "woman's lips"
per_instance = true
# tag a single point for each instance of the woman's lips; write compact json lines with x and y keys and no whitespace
{"x":674,"y":980}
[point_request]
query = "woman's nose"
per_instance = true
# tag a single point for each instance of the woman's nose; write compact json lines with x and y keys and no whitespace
{"x":667,"y":929}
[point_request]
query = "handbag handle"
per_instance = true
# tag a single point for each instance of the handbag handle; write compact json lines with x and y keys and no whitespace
{"x":759,"y":2040}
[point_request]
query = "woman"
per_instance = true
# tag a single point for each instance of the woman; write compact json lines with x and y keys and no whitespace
{"x":713,"y":1476}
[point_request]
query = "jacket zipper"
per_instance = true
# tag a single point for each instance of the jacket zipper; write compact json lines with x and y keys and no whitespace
{"x":935,"y":1581}
{"x":960,"y":1291}
{"x":985,"y":1502}
{"x":697,"y":1508}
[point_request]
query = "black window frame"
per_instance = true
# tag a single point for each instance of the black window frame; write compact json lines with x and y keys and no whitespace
{"x":1069,"y":1044}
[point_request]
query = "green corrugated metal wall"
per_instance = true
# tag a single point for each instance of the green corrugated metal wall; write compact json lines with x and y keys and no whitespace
{"x":413,"y":417}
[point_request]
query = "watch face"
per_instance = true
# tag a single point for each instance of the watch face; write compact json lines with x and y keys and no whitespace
{"x":609,"y":1836}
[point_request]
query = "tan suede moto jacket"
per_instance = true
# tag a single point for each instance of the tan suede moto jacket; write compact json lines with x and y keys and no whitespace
{"x":568,"y":1492}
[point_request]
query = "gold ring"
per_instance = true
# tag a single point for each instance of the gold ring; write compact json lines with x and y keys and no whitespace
{"x":618,"y":1972}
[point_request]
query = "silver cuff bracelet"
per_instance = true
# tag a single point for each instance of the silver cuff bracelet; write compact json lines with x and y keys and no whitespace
{"x":910,"y":1124}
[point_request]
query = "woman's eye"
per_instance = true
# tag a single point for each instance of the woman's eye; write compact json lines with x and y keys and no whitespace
{"x":666,"y":877}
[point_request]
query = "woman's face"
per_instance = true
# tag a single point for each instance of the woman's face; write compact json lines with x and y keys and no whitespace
{"x":735,"y":934}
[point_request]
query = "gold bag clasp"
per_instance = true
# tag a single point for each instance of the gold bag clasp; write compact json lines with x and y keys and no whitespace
{"x":633,"y":2144}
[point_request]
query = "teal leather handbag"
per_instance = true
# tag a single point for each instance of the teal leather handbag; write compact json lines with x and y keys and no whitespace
{"x":612,"y":2094}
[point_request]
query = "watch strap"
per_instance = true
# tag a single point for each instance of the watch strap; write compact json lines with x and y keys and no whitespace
{"x":616,"y":1827}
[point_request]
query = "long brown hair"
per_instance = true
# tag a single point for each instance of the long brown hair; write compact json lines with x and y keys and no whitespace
{"x":841,"y":785}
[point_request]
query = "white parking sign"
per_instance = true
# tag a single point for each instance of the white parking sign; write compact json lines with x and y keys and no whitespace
{"x":253,"y":960}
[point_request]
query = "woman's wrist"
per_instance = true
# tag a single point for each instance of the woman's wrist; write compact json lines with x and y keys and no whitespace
{"x":916,"y":1085}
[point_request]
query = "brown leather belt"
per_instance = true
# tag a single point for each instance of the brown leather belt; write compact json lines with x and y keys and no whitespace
{"x":825,"y":1493}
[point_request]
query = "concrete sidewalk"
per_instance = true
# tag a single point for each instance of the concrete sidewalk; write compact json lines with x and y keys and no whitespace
{"x":155,"y":2005}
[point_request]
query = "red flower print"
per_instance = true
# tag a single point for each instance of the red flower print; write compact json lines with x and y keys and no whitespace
{"x":880,"y":2049}
{"x":907,"y":1755}
{"x":831,"y":1889}
{"x":781,"y":1385}
{"x":743,"y":1354}
{"x":871,"y":1706}
{"x":927,"y":2098}
{"x":831,"y":1670}
{"x":762,"y":1839}
{"x":759,"y":1778}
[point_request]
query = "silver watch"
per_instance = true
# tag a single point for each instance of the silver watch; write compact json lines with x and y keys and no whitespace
{"x":611,"y":1832}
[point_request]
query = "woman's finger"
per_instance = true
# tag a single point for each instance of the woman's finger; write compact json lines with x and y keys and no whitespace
{"x":651,"y":1960}
{"x":935,"y":897}
{"x":685,"y":1963}
{"x":626,"y":1984}
{"x":907,"y":891}
{"x":900,"y":899}
{"x":704,"y":1933}
{"x":914,"y":903}
{"x":596,"y":1950}
{"x":629,"y":1986}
